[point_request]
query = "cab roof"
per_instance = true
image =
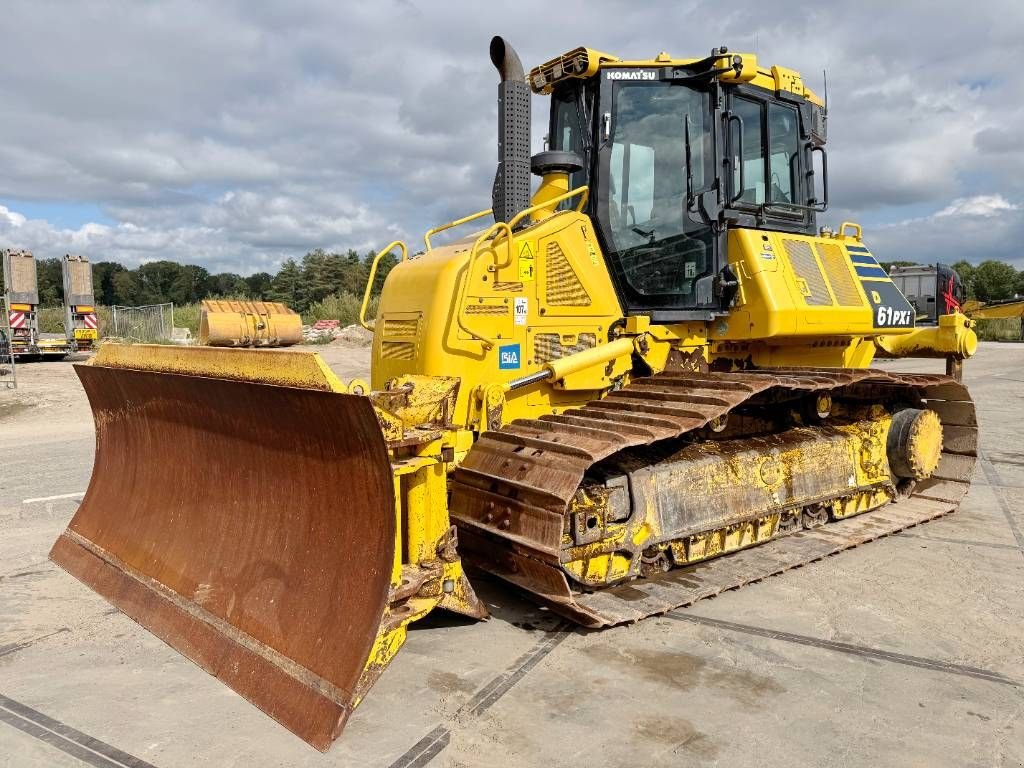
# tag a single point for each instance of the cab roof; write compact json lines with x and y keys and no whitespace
{"x":584,"y":63}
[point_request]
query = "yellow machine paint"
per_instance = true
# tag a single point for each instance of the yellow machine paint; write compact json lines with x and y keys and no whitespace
{"x":563,"y":303}
{"x":225,"y":323}
{"x":520,"y":323}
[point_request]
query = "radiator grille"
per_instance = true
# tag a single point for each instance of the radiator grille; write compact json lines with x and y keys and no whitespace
{"x":399,"y":338}
{"x":563,"y":287}
{"x":401,"y":328}
{"x":838,"y":271}
{"x":500,"y":286}
{"x":398,"y":350}
{"x":549,"y":346}
{"x":806,"y":267}
{"x":486,"y":309}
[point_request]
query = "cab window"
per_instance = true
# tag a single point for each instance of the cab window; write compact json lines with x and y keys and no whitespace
{"x":770,"y":149}
{"x":783,"y":158}
{"x":566,"y":133}
{"x":751,"y":114}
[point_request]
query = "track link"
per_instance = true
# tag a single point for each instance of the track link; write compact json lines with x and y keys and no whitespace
{"x":512,"y":492}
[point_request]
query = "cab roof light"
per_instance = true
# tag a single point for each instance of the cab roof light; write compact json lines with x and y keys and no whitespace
{"x":577,"y":63}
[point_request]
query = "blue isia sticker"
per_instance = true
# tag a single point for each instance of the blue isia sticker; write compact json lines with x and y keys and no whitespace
{"x":508,"y":357}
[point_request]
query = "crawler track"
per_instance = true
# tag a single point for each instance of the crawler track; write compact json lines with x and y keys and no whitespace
{"x":511,"y":494}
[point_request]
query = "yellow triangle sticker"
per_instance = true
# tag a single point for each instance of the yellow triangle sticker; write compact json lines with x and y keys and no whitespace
{"x":527,"y":263}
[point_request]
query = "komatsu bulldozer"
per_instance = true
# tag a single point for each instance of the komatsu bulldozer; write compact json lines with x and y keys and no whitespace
{"x":606,"y":397}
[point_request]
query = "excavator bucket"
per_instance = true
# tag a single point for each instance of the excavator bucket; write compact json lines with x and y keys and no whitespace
{"x":248,"y":324}
{"x":242,"y":509}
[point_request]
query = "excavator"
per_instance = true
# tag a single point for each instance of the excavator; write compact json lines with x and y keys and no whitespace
{"x":643,"y":383}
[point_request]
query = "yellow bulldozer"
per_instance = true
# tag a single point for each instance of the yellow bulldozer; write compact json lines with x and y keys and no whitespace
{"x":606,"y":398}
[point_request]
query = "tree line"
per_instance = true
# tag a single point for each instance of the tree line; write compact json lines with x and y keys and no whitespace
{"x":319,"y":274}
{"x":298,"y":283}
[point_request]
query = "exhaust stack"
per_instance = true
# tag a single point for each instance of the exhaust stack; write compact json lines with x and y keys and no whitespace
{"x":511,"y":191}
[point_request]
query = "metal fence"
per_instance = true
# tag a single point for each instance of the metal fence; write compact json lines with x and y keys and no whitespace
{"x":8,"y":373}
{"x":153,"y":322}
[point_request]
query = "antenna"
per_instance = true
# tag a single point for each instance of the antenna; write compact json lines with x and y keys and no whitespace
{"x":824,"y":78}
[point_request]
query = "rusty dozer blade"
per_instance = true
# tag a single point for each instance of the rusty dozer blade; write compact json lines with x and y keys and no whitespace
{"x":246,"y":517}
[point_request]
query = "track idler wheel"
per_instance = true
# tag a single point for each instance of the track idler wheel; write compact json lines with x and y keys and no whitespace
{"x":914,"y":444}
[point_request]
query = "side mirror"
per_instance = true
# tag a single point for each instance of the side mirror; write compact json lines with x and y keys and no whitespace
{"x":819,"y":202}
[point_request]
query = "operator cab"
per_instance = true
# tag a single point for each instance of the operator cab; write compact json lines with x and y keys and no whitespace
{"x":674,"y":153}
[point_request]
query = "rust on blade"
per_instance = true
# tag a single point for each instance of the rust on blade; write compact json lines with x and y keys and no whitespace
{"x":250,"y":526}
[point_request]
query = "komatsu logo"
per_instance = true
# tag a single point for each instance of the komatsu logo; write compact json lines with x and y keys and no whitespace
{"x":632,"y":74}
{"x":887,"y":317}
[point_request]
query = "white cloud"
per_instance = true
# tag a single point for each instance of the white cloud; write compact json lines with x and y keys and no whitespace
{"x":972,"y":228}
{"x":979,"y":205}
{"x":235,"y":134}
{"x":10,"y":219}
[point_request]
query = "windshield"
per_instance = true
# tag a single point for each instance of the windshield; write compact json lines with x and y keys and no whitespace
{"x":658,"y":251}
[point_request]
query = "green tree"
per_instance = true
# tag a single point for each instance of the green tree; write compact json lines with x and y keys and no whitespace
{"x":317,"y":275}
{"x":50,"y":282}
{"x":228,"y":284}
{"x":387,"y":263}
{"x":103,"y":281}
{"x":125,"y":289}
{"x":191,"y":284}
{"x":966,"y":271}
{"x":259,"y":285}
{"x":157,"y":280}
{"x":287,"y":286}
{"x":994,"y":281}
{"x":1018,"y":286}
{"x":354,"y":275}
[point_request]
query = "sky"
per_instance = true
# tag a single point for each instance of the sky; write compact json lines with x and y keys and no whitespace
{"x":239,"y":133}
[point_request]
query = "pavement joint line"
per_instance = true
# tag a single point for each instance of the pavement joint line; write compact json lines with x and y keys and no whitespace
{"x":58,"y":497}
{"x":965,"y":542}
{"x":851,"y":649}
{"x":431,"y":745}
{"x":73,"y":742}
{"x":424,"y":750}
{"x":992,"y":475}
{"x":21,"y":645}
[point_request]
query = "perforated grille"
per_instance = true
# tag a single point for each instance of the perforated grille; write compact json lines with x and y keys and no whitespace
{"x":401,"y":328}
{"x":399,"y":337}
{"x":549,"y":346}
{"x":486,"y":309}
{"x":563,"y":287}
{"x":498,"y":286}
{"x":806,"y":268}
{"x":839,"y":277}
{"x":398,"y":350}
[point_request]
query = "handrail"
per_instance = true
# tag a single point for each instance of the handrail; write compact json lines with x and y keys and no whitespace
{"x":373,"y":274}
{"x":498,"y":225}
{"x":507,"y":230}
{"x":583,"y":192}
{"x":431,"y":232}
{"x":855,"y":225}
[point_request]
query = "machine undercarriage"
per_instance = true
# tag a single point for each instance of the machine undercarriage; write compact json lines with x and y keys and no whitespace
{"x":676,"y":469}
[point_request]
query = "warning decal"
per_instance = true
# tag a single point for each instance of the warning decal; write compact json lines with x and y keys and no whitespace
{"x":527,"y":263}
